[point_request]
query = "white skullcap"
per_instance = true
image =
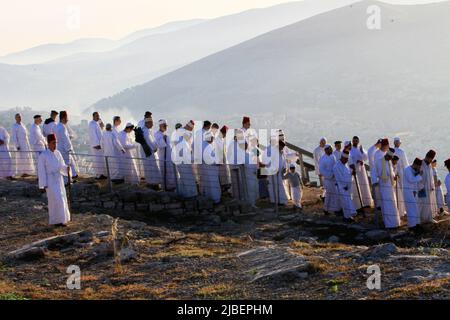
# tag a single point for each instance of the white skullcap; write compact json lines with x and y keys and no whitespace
{"x":162,"y":121}
{"x":347,"y":143}
{"x":292,"y":165}
{"x":397,"y":139}
{"x":327,"y":146}
{"x":129,"y":125}
{"x":323,"y":139}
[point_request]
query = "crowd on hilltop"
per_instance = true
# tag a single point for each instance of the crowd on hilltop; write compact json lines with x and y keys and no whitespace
{"x":210,"y":160}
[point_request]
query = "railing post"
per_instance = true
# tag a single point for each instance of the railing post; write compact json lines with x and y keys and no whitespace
{"x":108,"y":172}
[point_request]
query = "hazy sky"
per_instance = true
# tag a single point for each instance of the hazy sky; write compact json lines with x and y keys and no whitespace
{"x":27,"y":23}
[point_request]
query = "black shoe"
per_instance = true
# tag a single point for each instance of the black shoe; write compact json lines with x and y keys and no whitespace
{"x":101,"y":177}
{"x":339,"y":213}
{"x":326,"y":213}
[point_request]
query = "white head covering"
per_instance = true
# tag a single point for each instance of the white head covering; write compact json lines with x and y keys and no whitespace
{"x":397,"y":139}
{"x":347,"y":143}
{"x":129,"y":125}
{"x":162,"y":121}
{"x":323,"y":139}
{"x":292,"y":165}
{"x":208,"y":136}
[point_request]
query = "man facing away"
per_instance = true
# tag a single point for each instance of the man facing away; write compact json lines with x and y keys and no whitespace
{"x":317,"y":154}
{"x":438,"y":185}
{"x":51,"y":169}
{"x":151,"y":164}
{"x":112,"y":150}
{"x":50,"y":124}
{"x":326,"y":165}
{"x":427,"y":193}
{"x":411,"y":180}
{"x":64,"y":144}
{"x":95,"y":139}
{"x":361,"y":192}
{"x":24,"y":156}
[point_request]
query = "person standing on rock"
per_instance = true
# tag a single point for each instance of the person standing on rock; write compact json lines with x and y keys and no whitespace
{"x":386,"y":183}
{"x":50,"y":124}
{"x":51,"y":169}
{"x":326,"y":165}
{"x":128,"y":163}
{"x":438,"y":184}
{"x":338,"y":150}
{"x":37,"y":139}
{"x":95,"y":138}
{"x":24,"y":157}
{"x":64,"y":144}
{"x":361,"y":191}
{"x":151,"y":164}
{"x":343,"y":175}
{"x":447,"y":183}
{"x":112,"y":150}
{"x":6,"y":161}
{"x":427,"y":193}
{"x":317,"y":154}
{"x":411,"y":180}
{"x":165,"y":157}
{"x":295,"y":185}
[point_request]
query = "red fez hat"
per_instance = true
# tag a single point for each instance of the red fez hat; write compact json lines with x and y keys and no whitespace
{"x":224,"y":129}
{"x":51,"y":137}
{"x":431,"y":154}
{"x":447,"y":163}
{"x":245,"y":120}
{"x":385,"y":142}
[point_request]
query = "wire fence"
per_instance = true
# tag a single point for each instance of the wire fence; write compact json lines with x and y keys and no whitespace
{"x":215,"y":181}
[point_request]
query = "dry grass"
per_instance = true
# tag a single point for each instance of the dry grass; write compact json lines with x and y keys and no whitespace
{"x":428,"y":288}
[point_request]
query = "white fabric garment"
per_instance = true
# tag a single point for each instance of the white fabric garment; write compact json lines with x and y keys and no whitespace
{"x":439,"y":191}
{"x":128,"y":167}
{"x":385,"y":174}
{"x":276,"y":188}
{"x":95,"y":140}
{"x":251,"y":175}
{"x":403,"y":159}
{"x":343,"y":176}
{"x":187,"y":185}
{"x":24,"y":163}
{"x":358,"y":158}
{"x":165,"y":160}
{"x":427,"y":198}
{"x":64,"y":145}
{"x":37,"y":139}
{"x":447,"y":186}
{"x":411,"y":182}
{"x":51,"y":169}
{"x":6,"y":160}
{"x":332,"y":201}
{"x":112,"y":148}
{"x":224,"y":169}
{"x":318,"y":153}
{"x":152,"y":170}
{"x":48,"y":127}
{"x":337,"y":154}
{"x":73,"y":157}
{"x":377,"y":153}
{"x":399,"y":190}
{"x":209,"y":173}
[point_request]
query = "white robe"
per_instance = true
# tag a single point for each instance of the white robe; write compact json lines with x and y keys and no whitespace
{"x":361,"y":177}
{"x":399,"y":173}
{"x":165,"y":160}
{"x":447,"y":186}
{"x":332,"y":201}
{"x":37,"y":139}
{"x":277,"y":191}
{"x":427,"y":198}
{"x":251,"y":176}
{"x":95,"y":140}
{"x":317,"y":154}
{"x":49,"y":128}
{"x":439,"y":191}
{"x":51,"y":169}
{"x":377,"y":153}
{"x":113,"y":150}
{"x":343,"y":176}
{"x":6,"y":160}
{"x":128,"y":166}
{"x":24,"y":158}
{"x":410,"y":189}
{"x":385,"y":174}
{"x":152,"y":170}
{"x":209,"y":172}
{"x":187,"y":184}
{"x":224,"y":169}
{"x":236,"y":160}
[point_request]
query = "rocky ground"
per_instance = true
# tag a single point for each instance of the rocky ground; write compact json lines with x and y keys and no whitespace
{"x":251,"y":255}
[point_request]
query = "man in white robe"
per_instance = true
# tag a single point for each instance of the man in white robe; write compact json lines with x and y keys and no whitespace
{"x":380,"y":151}
{"x":252,"y":161}
{"x":151,"y":163}
{"x":37,"y":140}
{"x":438,"y":183}
{"x":343,"y":176}
{"x":398,"y":177}
{"x":95,"y":138}
{"x":386,"y":183}
{"x":362,"y":196}
{"x":199,"y":144}
{"x":447,"y":183}
{"x":140,"y":151}
{"x":6,"y":160}
{"x":221,"y":151}
{"x":401,"y":154}
{"x":128,"y":162}
{"x":427,"y":190}
{"x":338,"y":150}
{"x":326,"y":165}
{"x":209,"y":171}
{"x":317,"y":154}
{"x":166,"y":165}
{"x":236,"y":159}
{"x":51,"y":169}
{"x":411,"y":180}
{"x":49,"y":124}
{"x":24,"y":155}
{"x":113,"y":151}
{"x":64,"y":143}
{"x":183,"y":157}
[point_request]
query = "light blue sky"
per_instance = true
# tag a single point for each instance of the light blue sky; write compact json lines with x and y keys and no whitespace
{"x":25,"y":23}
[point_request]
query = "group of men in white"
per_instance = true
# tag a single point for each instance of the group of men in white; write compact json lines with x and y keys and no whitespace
{"x":208,"y":161}
{"x":354,"y":180}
